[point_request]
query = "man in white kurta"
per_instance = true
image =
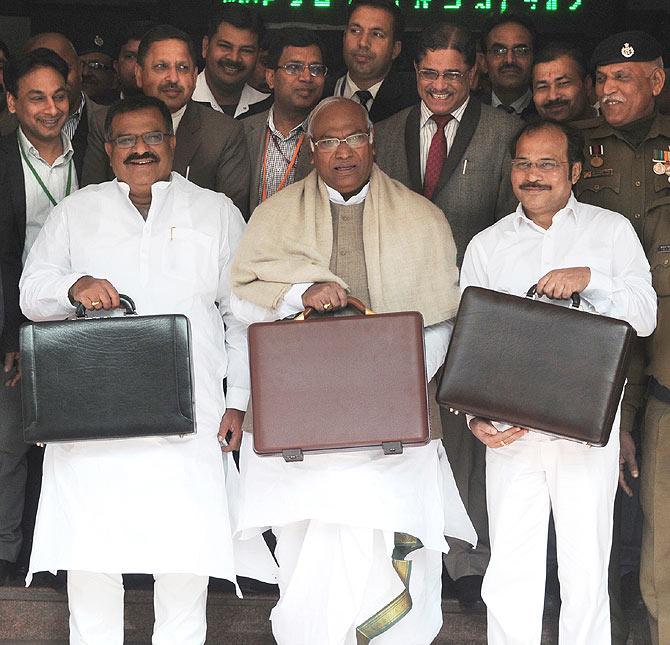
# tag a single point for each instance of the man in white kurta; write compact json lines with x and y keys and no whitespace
{"x":146,"y":505}
{"x":349,"y":229}
{"x":565,"y":247}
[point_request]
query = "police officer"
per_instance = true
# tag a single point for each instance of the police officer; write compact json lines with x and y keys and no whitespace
{"x":628,"y":170}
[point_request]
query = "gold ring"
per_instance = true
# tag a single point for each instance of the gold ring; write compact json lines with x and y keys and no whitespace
{"x":95,"y":303}
{"x":327,"y":306}
{"x":502,"y":442}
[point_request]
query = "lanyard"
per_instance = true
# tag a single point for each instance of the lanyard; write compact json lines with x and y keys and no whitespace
{"x":68,"y":186}
{"x":291,"y":163}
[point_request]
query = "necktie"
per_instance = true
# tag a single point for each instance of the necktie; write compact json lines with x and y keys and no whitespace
{"x":363,"y":96}
{"x":507,"y":108}
{"x":436,"y":155}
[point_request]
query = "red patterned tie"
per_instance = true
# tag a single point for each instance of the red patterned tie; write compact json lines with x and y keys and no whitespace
{"x":436,"y":155}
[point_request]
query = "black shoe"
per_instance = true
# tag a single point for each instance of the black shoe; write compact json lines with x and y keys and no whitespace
{"x":6,"y":569}
{"x":469,"y":591}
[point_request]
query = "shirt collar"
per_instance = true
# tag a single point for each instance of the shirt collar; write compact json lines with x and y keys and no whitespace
{"x":31,"y":150}
{"x":518,"y":106}
{"x":176,"y":117}
{"x":336,"y":198}
{"x":457,"y":113}
{"x":351,"y":87}
{"x":301,"y":127}
{"x":569,"y":210}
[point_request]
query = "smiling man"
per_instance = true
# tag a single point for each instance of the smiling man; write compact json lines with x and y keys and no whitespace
{"x":370,"y":44}
{"x":362,"y":234}
{"x":210,"y":147}
{"x":564,"y":247}
{"x":36,"y":172}
{"x":231,"y":48}
{"x":454,"y":150}
{"x":278,"y":151}
{"x":153,"y":505}
{"x":627,"y":170}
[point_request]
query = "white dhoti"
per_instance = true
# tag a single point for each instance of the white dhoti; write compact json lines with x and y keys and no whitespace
{"x":335,"y":516}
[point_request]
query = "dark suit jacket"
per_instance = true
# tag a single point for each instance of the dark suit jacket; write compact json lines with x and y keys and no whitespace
{"x":12,"y":239}
{"x":529,"y":112}
{"x":210,"y":146}
{"x":472,"y":195}
{"x":255,"y":129}
{"x":9,"y":123}
{"x":397,"y":91}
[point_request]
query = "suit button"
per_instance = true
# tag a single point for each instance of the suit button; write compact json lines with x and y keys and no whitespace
{"x":638,"y":183}
{"x":637,"y":216}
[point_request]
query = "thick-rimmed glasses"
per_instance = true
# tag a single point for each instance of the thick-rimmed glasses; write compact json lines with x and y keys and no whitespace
{"x":150,"y":138}
{"x":357,"y":140}
{"x":295,"y":69}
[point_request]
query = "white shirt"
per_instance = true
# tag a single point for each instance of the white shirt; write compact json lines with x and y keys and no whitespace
{"x":514,"y":253}
{"x":428,"y":128}
{"x":249,"y":96}
{"x":157,"y":503}
{"x":176,"y":117}
{"x":518,"y":106}
{"x":54,"y":176}
{"x":347,"y":88}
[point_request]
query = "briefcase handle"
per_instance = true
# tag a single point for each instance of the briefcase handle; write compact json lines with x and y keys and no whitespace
{"x":351,"y":302}
{"x":126,"y":301}
{"x":576,"y":300}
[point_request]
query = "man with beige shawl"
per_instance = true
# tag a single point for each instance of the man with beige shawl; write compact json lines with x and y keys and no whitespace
{"x":359,"y":534}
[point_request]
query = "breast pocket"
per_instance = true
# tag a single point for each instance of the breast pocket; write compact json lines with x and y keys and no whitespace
{"x":602,"y":186}
{"x":189,"y":255}
{"x":657,"y":243}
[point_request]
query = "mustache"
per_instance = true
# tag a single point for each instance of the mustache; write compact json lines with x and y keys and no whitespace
{"x":556,"y":103}
{"x":534,"y":184}
{"x":509,"y":66}
{"x":614,"y":97}
{"x":227,"y":62}
{"x":170,"y":86}
{"x":145,"y":155}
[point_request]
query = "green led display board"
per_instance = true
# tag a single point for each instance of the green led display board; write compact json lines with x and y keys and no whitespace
{"x":419,"y":12}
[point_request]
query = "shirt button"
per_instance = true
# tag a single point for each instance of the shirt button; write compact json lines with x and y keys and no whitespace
{"x":637,"y":216}
{"x":638,"y":183}
{"x":343,"y":251}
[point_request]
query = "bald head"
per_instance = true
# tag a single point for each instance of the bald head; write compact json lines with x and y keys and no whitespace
{"x":65,"y":49}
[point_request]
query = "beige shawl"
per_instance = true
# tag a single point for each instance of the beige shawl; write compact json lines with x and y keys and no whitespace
{"x":409,"y":250}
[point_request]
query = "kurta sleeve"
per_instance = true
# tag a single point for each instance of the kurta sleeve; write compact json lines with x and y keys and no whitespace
{"x":237,"y":378}
{"x":436,"y":338}
{"x":48,"y":275}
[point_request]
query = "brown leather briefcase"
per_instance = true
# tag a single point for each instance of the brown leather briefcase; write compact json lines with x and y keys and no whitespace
{"x":536,"y":365}
{"x":335,"y":383}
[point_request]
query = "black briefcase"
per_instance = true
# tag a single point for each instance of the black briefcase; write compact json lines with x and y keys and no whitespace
{"x":536,"y":365}
{"x":107,"y":378}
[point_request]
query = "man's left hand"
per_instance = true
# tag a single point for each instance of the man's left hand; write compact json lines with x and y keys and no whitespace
{"x":562,"y":283}
{"x":12,"y":361}
{"x":231,"y":422}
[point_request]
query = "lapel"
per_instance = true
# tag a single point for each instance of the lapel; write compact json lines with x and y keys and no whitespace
{"x":387,"y":95}
{"x":80,"y":140}
{"x":464,"y":134}
{"x":412,"y":149}
{"x":18,"y":185}
{"x":188,"y":138}
{"x":303,"y":164}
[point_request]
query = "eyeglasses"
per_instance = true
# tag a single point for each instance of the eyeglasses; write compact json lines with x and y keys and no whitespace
{"x":150,"y":138}
{"x":544,"y":165}
{"x":295,"y":69}
{"x":97,"y":65}
{"x":520,"y":51}
{"x":450,"y":76}
{"x":357,"y":140}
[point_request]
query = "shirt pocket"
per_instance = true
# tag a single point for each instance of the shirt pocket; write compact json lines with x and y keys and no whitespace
{"x":597,"y":185}
{"x":657,"y":232}
{"x":188,"y":255}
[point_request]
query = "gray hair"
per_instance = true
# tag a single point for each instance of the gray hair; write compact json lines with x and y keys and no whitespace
{"x":328,"y":101}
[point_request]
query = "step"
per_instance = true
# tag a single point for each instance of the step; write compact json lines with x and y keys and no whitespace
{"x":39,"y":615}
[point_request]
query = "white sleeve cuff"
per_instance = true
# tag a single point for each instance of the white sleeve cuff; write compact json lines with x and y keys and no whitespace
{"x":237,"y":397}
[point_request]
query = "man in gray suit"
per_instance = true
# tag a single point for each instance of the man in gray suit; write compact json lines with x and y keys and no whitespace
{"x":455,"y":151}
{"x":278,"y":151}
{"x":211,"y":150}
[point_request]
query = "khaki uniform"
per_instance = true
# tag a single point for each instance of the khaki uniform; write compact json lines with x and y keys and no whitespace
{"x":626,"y":182}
